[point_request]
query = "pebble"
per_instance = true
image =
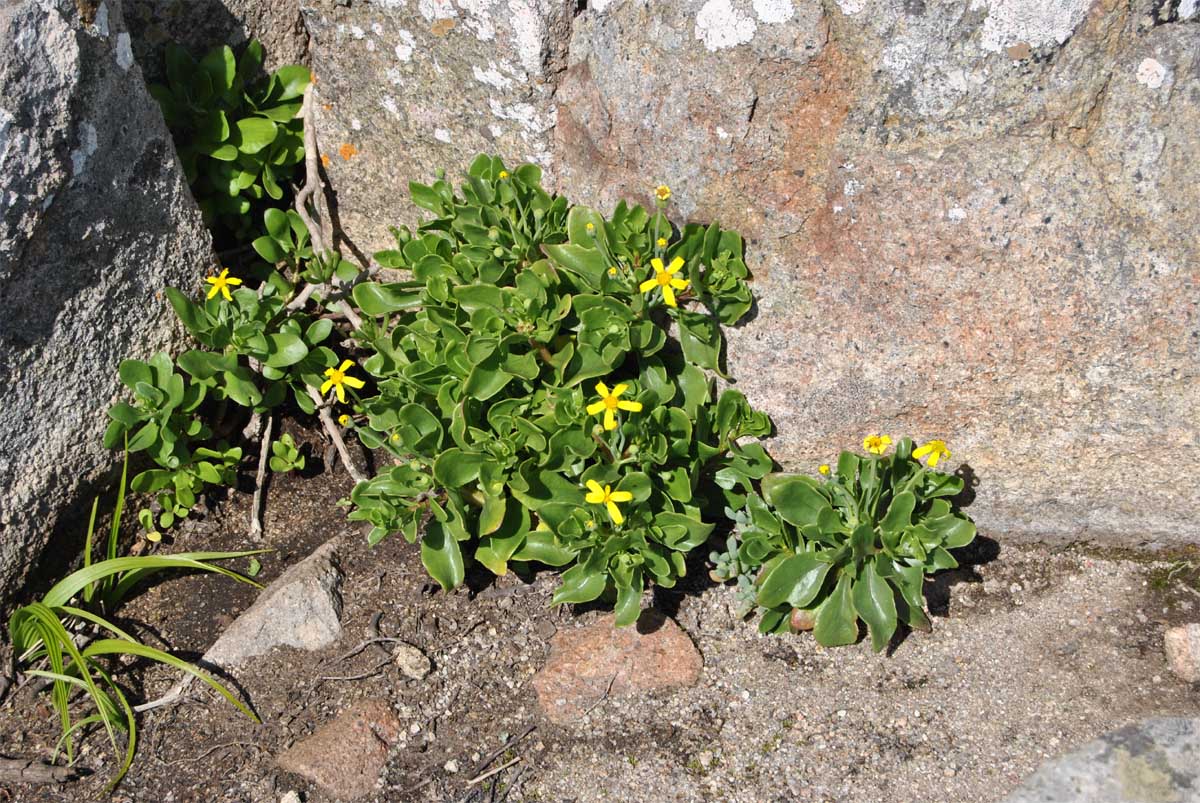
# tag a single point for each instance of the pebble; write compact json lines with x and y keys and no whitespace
{"x":451,"y":766}
{"x":411,"y":661}
{"x":290,"y":797}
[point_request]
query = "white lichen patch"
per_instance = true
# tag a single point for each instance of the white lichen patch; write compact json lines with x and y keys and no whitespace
{"x":851,"y":7}
{"x":1188,"y":9}
{"x":389,"y":105}
{"x":852,"y":187}
{"x":124,"y":51}
{"x":529,"y":32}
{"x":492,"y":76}
{"x":442,"y":135}
{"x":1034,"y":22}
{"x":773,"y":12}
{"x":404,"y":50}
{"x":433,"y":10}
{"x":101,"y":20}
{"x":87,"y":146}
{"x":1151,"y":73}
{"x":600,"y":6}
{"x":357,"y":32}
{"x":956,"y":214}
{"x":479,"y":18}
{"x":719,"y":25}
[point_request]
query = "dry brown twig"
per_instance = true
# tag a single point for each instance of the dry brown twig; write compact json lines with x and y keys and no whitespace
{"x":30,"y":770}
{"x":332,"y":431}
{"x":256,"y":527}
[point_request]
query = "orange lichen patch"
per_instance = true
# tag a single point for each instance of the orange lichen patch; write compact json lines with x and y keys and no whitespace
{"x":312,"y":77}
{"x":442,"y":27}
{"x":1019,"y":52}
{"x":325,"y":159}
{"x":347,"y":151}
{"x":327,"y":106}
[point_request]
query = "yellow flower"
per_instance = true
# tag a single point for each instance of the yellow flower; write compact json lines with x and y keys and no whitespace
{"x":662,"y":242}
{"x":395,"y":437}
{"x":590,"y":228}
{"x":610,"y":402}
{"x":936,"y":451}
{"x":662,"y":192}
{"x":343,"y":419}
{"x":612,"y":271}
{"x":608,"y":497}
{"x":666,"y":279}
{"x":876,"y":444}
{"x":222,"y":283}
{"x":823,"y":469}
{"x":503,"y":175}
{"x":338,"y":379}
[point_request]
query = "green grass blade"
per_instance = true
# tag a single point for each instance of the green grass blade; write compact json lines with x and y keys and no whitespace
{"x":115,"y":531}
{"x":115,"y":647}
{"x":72,"y":584}
{"x":87,"y":547}
{"x":99,"y":621}
{"x":58,"y":640}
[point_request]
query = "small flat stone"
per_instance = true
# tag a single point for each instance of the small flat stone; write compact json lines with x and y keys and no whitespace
{"x":590,"y":662}
{"x":1155,"y":761}
{"x":1182,"y":646}
{"x":345,"y":755}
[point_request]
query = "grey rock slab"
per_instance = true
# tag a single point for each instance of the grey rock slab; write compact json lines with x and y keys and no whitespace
{"x":95,"y":220}
{"x":1155,"y":761}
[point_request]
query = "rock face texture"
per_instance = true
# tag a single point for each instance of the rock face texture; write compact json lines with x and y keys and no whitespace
{"x":969,"y":220}
{"x":199,"y":25}
{"x":95,"y":219}
{"x":410,"y":87}
{"x":1155,"y":760}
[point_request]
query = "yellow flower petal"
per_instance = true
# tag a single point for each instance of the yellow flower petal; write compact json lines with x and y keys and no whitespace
{"x":619,"y":389}
{"x":225,"y":292}
{"x":345,"y":364}
{"x":679,"y":284}
{"x":233,"y":280}
{"x":675,"y":265}
{"x":631,"y":406}
{"x":669,"y":296}
{"x":594,"y":487}
{"x":602,"y":389}
{"x":326,"y":385}
{"x":357,"y":384}
{"x":615,"y":513}
{"x":610,"y":420}
{"x":216,"y":288}
{"x":341,"y":393}
{"x":657,"y":264}
{"x":644,"y":287}
{"x":595,"y":407}
{"x":621,"y":496}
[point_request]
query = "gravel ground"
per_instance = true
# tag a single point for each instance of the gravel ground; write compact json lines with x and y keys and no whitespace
{"x":1034,"y":651}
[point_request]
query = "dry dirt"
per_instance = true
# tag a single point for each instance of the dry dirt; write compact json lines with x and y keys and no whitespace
{"x":1034,"y":650}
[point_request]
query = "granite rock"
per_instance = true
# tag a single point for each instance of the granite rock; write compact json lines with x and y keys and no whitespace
{"x":199,"y":25}
{"x":95,"y":220}
{"x":1156,"y":761}
{"x":969,"y":220}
